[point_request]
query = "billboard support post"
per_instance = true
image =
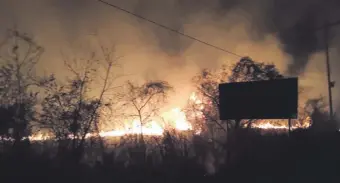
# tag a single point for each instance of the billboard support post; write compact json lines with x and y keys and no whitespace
{"x":289,"y":126}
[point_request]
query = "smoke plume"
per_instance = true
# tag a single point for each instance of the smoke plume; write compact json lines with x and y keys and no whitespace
{"x":273,"y":31}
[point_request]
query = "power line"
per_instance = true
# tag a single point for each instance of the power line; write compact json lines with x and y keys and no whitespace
{"x":328,"y":25}
{"x":170,"y":29}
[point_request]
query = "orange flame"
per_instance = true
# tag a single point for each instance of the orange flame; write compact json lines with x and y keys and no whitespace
{"x":176,"y":118}
{"x":178,"y":121}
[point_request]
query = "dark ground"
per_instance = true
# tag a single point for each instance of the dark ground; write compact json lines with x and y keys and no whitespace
{"x":303,"y":157}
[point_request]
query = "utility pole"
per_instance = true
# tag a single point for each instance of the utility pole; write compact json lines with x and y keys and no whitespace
{"x":330,"y":83}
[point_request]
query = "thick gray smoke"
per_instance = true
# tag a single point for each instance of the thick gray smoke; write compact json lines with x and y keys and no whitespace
{"x":293,"y":22}
{"x":290,"y":20}
{"x":278,"y":31}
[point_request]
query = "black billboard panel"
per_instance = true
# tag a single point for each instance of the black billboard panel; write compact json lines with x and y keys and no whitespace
{"x":270,"y":99}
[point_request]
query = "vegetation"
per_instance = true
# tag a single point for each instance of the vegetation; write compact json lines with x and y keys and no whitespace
{"x":70,"y":111}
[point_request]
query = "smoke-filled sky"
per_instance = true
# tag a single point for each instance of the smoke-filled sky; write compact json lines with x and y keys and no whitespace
{"x":273,"y":31}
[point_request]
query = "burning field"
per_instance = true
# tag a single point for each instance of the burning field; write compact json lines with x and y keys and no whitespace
{"x":73,"y":109}
{"x":181,"y":120}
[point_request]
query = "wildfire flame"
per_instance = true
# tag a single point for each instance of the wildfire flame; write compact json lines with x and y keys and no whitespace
{"x":176,"y":117}
{"x":268,"y":125}
{"x":283,"y":124}
{"x":177,"y":120}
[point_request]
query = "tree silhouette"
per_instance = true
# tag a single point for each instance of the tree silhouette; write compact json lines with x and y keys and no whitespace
{"x":143,"y":103}
{"x":69,"y":111}
{"x":19,"y":83}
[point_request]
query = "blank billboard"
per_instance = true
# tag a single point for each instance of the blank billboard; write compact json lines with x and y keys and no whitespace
{"x":270,"y":99}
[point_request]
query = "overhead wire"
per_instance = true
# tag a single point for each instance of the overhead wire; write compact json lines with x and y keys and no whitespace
{"x":191,"y":37}
{"x":170,"y":29}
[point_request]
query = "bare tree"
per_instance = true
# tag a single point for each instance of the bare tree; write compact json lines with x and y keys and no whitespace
{"x":18,"y":83}
{"x":69,"y":111}
{"x":202,"y":108}
{"x":145,"y":101}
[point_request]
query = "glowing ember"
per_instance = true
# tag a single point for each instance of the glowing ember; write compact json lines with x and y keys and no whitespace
{"x":282,"y":124}
{"x":270,"y":126}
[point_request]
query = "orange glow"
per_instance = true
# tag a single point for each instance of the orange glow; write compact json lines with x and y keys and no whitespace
{"x":176,"y":119}
{"x":282,"y":124}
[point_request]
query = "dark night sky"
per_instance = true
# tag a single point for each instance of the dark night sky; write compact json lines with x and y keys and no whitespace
{"x":270,"y":30}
